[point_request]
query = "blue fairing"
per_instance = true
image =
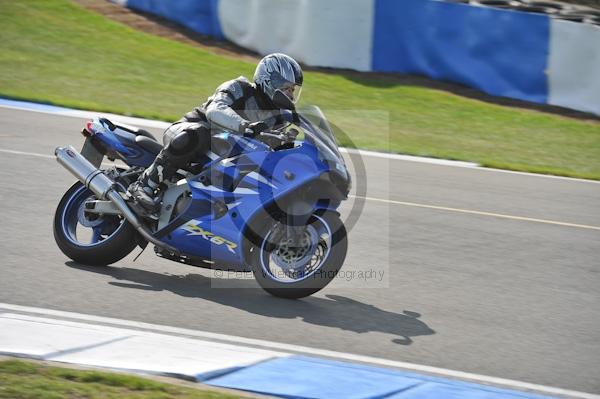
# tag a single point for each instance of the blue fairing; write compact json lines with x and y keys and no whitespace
{"x":253,"y":193}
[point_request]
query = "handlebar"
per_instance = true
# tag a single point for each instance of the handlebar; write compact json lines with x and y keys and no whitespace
{"x":274,"y":134}
{"x":277,"y":139}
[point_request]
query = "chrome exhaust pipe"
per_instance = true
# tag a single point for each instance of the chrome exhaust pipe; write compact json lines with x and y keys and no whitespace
{"x":104,"y":188}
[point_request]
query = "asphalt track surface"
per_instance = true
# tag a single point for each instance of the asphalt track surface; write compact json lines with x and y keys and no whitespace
{"x":482,"y":271}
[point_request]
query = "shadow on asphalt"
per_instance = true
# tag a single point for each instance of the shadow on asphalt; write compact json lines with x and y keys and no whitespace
{"x":335,"y":311}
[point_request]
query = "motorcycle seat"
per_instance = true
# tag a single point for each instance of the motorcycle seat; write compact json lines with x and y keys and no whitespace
{"x":145,"y":133}
{"x":150,"y":145}
{"x":131,"y":129}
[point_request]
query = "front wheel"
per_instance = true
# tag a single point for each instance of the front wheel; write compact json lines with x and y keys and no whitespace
{"x":89,"y":238}
{"x":301,"y":270}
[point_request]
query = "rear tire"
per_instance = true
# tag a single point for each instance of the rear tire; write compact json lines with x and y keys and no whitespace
{"x":113,"y":238}
{"x":331,"y":234}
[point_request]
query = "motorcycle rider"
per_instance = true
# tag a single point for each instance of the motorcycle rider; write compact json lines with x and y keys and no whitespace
{"x":247,"y":108}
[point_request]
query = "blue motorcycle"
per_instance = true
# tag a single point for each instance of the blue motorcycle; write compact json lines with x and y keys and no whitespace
{"x":265,"y":205}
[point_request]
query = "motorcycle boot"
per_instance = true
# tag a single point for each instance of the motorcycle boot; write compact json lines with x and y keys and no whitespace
{"x":146,"y":190}
{"x":182,"y":142}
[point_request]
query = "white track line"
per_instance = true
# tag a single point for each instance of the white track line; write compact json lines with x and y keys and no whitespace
{"x":307,"y":350}
{"x":74,"y":113}
{"x":514,"y":172}
{"x":163,"y":125}
{"x":442,"y":208}
{"x":31,"y":154}
{"x":496,"y":215}
{"x":410,"y":158}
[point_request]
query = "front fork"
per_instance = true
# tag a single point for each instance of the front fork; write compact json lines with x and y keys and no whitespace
{"x":297,"y":216}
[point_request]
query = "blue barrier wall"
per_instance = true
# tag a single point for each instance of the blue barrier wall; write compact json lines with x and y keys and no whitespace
{"x":198,"y":15}
{"x":500,"y":52}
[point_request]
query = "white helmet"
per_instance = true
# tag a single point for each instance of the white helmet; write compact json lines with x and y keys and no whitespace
{"x":280,"y":77}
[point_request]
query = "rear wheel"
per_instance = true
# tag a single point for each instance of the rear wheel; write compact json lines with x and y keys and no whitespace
{"x":306,"y":267}
{"x":89,"y":238}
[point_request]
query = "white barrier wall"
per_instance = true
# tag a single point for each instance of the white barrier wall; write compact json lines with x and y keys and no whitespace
{"x":329,"y":33}
{"x":507,"y":53}
{"x":574,"y":66}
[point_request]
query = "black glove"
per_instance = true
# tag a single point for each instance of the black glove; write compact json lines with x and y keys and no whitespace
{"x":254,"y":129}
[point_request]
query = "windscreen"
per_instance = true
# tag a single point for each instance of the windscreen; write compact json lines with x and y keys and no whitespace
{"x":316,"y":128}
{"x":318,"y":132}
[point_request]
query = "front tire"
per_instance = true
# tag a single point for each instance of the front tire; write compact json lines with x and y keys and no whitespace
{"x":299,"y":272}
{"x":95,"y":240}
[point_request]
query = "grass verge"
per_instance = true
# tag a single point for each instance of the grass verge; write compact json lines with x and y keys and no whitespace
{"x":54,"y":51}
{"x":24,"y":380}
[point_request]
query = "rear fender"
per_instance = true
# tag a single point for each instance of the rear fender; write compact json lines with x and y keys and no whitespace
{"x":93,"y":152}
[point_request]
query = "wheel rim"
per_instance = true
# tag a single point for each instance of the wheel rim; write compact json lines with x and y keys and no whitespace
{"x":84,"y":229}
{"x":287,"y":264}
